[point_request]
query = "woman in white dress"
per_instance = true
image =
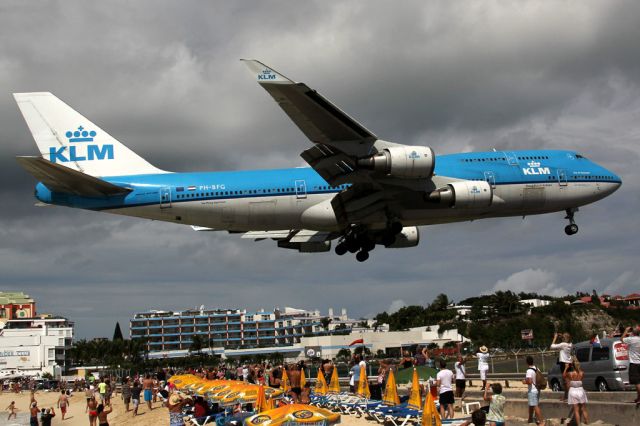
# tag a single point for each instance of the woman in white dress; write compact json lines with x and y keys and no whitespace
{"x":576,"y":397}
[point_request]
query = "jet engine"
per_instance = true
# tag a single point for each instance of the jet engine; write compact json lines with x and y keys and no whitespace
{"x":402,"y":162}
{"x":408,"y":237}
{"x":465,"y":194}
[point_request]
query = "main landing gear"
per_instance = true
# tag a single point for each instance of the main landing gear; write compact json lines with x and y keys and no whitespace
{"x":360,"y":241}
{"x":571,"y":228}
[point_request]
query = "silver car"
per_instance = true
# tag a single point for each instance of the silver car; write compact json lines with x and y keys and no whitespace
{"x":605,"y":366}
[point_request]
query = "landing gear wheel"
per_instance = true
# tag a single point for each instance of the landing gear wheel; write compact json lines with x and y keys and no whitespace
{"x":388,"y":239}
{"x":367,"y":244}
{"x":341,"y":249}
{"x":362,"y":255}
{"x":571,"y":229}
{"x":396,"y":228}
{"x":351,"y":244}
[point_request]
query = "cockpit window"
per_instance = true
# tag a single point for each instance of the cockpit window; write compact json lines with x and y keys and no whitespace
{"x":579,"y":156}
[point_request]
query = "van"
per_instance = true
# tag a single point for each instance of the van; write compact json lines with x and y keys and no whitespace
{"x":605,"y":366}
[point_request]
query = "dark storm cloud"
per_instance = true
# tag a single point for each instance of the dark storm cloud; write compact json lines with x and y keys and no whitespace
{"x":164,"y":78}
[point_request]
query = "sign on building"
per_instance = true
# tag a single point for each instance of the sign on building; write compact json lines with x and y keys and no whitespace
{"x":313,"y":351}
{"x":527,"y":334}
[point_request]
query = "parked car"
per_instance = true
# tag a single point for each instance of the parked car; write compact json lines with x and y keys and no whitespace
{"x":605,"y":366}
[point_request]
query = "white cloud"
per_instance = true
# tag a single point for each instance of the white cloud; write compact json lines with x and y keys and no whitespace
{"x":622,"y":282}
{"x":396,"y":305}
{"x":531,"y":281}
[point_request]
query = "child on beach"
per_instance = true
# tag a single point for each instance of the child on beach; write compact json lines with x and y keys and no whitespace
{"x":12,"y":410}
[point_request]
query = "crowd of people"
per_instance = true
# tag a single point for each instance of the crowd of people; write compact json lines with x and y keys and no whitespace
{"x":449,"y":385}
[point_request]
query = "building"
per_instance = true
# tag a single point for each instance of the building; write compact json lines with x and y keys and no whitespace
{"x":293,"y":333}
{"x":35,"y":346}
{"x":171,"y":333}
{"x":16,"y":305}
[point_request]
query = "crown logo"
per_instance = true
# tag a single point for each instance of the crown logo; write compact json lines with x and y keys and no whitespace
{"x":414,"y":155}
{"x":80,"y":135}
{"x":533,"y":164}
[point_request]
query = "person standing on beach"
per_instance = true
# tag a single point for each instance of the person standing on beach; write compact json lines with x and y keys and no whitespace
{"x":63,"y":403}
{"x":33,"y":412}
{"x":496,"y":404}
{"x":461,"y":377}
{"x":483,"y":365}
{"x":355,"y":372}
{"x":444,"y":381}
{"x":126,"y":393}
{"x":576,"y":397}
{"x":533,"y":394}
{"x":103,"y":412}
{"x":294,"y":379}
{"x":564,"y":356}
{"x":632,"y":338}
{"x":147,"y":386}
{"x":12,"y":410}
{"x":175,"y":404}
{"x":135,"y":397}
{"x":92,"y":410}
{"x":102,"y":390}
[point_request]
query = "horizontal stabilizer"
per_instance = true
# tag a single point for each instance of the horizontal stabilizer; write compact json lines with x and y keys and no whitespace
{"x":62,"y":179}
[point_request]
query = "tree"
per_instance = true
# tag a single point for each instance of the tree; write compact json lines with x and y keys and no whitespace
{"x":344,"y":353}
{"x":196,"y":344}
{"x":325,"y":321}
{"x":117,"y":333}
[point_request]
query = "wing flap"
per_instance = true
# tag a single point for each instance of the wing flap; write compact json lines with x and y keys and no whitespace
{"x":62,"y":179}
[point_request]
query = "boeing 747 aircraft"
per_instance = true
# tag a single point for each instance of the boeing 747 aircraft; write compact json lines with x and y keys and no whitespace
{"x":360,"y":190}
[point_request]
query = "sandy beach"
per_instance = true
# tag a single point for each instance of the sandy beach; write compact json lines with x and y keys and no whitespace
{"x":76,"y":415}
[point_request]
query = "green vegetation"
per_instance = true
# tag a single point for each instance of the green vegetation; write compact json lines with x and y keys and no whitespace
{"x":496,"y":320}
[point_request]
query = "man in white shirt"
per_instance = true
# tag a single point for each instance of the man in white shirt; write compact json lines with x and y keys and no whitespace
{"x":564,"y":355}
{"x":483,"y":364}
{"x":533,"y":395}
{"x":632,"y":338}
{"x":444,"y":381}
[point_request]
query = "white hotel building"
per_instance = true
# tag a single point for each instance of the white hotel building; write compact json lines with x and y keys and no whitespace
{"x":33,"y":346}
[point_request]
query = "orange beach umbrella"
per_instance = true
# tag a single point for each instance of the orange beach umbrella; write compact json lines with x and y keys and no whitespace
{"x":391,"y":390}
{"x":294,"y":415}
{"x":321,"y":384}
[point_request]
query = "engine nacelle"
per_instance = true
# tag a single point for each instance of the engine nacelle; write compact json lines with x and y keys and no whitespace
{"x":408,"y":237}
{"x":402,"y":162}
{"x":465,"y":195}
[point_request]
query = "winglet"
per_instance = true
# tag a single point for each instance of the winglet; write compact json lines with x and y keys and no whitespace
{"x":266,"y":74}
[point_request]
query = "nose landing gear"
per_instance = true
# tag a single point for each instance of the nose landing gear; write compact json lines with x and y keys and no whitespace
{"x":572,"y":228}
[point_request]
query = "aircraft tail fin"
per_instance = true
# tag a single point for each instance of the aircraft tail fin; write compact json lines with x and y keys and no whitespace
{"x":66,"y":137}
{"x":59,"y":178}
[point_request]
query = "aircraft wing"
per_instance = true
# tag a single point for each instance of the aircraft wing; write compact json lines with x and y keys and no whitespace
{"x":339,"y":141}
{"x":320,"y":120}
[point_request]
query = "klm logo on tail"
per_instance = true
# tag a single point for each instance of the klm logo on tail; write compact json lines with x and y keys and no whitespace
{"x":84,"y":152}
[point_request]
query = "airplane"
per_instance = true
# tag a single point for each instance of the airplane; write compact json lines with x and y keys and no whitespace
{"x":360,"y":191}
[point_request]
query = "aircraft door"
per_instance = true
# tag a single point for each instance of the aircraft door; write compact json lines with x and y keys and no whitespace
{"x":562,"y":177}
{"x":165,"y":197}
{"x":301,"y":189}
{"x":512,"y":158}
{"x":490,"y":177}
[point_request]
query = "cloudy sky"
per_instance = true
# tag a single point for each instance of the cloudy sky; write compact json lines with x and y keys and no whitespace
{"x":165,"y":78}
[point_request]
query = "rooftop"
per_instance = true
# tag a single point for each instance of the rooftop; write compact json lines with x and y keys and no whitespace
{"x":16,"y":297}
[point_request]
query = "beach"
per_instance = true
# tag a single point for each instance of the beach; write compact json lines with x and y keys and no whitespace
{"x":76,"y":415}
